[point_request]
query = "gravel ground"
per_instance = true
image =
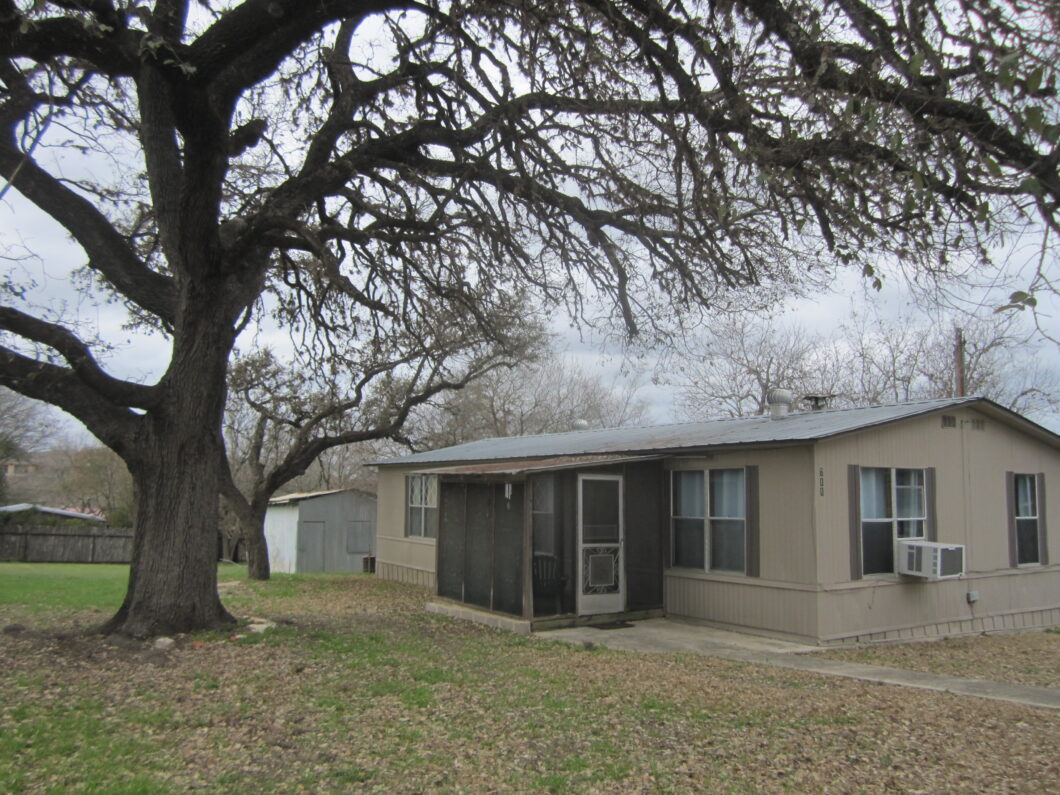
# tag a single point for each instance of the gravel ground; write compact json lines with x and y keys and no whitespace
{"x":357,"y":689}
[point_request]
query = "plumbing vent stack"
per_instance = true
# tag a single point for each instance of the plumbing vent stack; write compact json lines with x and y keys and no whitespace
{"x":780,"y":401}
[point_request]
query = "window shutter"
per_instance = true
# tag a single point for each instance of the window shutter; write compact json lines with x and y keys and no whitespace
{"x":1043,"y":549}
{"x":753,"y":538}
{"x":931,"y":532}
{"x":854,"y":503}
{"x":408,"y":505}
{"x":1010,"y":511}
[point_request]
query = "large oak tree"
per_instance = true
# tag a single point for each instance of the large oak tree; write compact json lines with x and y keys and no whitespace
{"x":345,"y":162}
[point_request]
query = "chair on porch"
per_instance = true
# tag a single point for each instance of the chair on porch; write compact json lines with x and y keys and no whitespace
{"x":548,"y":581}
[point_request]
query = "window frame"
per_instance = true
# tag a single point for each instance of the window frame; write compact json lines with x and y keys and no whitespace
{"x":709,"y":518}
{"x":421,"y":499}
{"x":893,"y":519}
{"x":1036,"y":516}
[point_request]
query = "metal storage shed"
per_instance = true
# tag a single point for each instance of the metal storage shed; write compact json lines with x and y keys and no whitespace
{"x":321,"y":531}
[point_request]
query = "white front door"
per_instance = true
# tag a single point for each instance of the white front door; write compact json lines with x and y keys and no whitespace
{"x":601,"y":568}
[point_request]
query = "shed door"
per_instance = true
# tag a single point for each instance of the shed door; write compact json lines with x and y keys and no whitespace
{"x":311,"y":547}
{"x":601,"y":568}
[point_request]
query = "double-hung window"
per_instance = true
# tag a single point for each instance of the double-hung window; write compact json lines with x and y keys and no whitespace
{"x":421,"y":519}
{"x":709,"y":519}
{"x":1026,"y":519}
{"x":893,"y":507}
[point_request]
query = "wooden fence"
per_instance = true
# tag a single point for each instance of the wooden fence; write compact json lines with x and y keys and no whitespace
{"x":59,"y":544}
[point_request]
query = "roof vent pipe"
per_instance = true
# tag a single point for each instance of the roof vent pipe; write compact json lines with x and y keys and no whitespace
{"x":780,"y":401}
{"x":579,"y":425}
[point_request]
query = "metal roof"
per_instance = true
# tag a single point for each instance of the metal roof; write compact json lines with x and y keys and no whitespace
{"x":26,"y":506}
{"x":283,"y":499}
{"x":691,"y":436}
{"x":535,"y":465}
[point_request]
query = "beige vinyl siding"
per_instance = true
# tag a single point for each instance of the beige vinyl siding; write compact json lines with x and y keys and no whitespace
{"x":743,"y":603}
{"x":970,"y":465}
{"x":785,"y":489}
{"x":782,"y":598}
{"x":970,"y":468}
{"x":397,"y":557}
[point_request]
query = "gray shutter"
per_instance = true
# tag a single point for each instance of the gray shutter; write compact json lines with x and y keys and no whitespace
{"x":854,"y":506}
{"x":1043,"y":548}
{"x":1010,"y":511}
{"x":408,"y":506}
{"x":753,"y":536}
{"x":931,"y":532}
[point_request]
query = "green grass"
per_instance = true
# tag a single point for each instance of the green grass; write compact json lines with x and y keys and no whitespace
{"x":47,"y":587}
{"x":363,"y":691}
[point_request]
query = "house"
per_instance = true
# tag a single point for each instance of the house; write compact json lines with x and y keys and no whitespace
{"x":795,"y":525}
{"x":321,"y":531}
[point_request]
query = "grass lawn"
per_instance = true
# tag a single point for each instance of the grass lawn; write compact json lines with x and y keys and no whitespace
{"x":69,"y":588}
{"x":358,"y":689}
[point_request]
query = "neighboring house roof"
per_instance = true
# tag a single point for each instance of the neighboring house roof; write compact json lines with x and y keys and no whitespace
{"x":26,"y":506}
{"x":687,"y":437}
{"x":286,"y":499}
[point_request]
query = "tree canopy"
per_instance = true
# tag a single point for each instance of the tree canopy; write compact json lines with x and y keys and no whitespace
{"x":349,"y":169}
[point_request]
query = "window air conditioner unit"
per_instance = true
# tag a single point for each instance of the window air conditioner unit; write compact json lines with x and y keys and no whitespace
{"x":930,"y":559}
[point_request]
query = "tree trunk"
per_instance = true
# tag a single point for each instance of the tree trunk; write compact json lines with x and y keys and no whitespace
{"x":176,"y":461}
{"x":257,"y":546}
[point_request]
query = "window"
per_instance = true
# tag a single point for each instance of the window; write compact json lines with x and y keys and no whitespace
{"x":543,"y":516}
{"x":1026,"y":519}
{"x":689,"y":511}
{"x":422,"y":517}
{"x":893,"y":507}
{"x":709,"y":519}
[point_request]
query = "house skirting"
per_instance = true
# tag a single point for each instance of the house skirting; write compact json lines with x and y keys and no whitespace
{"x":883,"y":609}
{"x":406,"y":574}
{"x":1006,"y":622}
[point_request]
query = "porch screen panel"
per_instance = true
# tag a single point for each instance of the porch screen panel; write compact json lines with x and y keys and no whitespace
{"x":646,"y":532}
{"x":451,"y":540}
{"x":478,"y":553}
{"x":508,"y":549}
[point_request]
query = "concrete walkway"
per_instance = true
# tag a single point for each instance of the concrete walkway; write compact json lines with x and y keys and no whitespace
{"x":668,"y":636}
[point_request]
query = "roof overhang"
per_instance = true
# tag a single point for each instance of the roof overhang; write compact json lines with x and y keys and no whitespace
{"x":520,"y":469}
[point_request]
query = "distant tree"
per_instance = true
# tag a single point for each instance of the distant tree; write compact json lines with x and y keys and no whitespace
{"x":24,"y":426}
{"x":869,"y":360}
{"x":728,"y":368}
{"x":545,"y":396}
{"x":283,"y":415}
{"x":91,"y":479}
{"x":911,"y":357}
{"x":359,"y":165}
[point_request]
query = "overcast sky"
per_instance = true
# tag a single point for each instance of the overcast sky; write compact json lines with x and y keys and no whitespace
{"x":48,"y":258}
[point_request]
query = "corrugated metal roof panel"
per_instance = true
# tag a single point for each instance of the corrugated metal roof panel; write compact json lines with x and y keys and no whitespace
{"x":63,"y":512}
{"x":308,"y":495}
{"x":536,"y":465}
{"x":801,"y":426}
